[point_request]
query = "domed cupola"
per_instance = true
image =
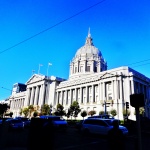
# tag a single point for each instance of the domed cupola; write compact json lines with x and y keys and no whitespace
{"x":88,"y":60}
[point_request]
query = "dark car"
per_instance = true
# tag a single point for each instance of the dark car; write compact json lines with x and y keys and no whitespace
{"x":102,"y":116}
{"x":25,"y":120}
{"x":57,"y":121}
{"x":15,"y":124}
{"x":78,"y":125}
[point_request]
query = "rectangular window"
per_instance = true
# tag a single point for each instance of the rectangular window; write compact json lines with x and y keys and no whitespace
{"x":96,"y":89}
{"x":90,"y":90}
{"x":68,"y":93}
{"x":88,"y":68}
{"x":83,"y":90}
{"x":109,"y":87}
{"x":75,"y":69}
{"x":81,"y":69}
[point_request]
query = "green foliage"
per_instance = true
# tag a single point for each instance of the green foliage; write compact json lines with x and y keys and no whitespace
{"x":25,"y":111}
{"x":83,"y":114}
{"x":69,"y":113}
{"x":113,"y":112}
{"x":141,"y":111}
{"x":60,"y":110}
{"x":35,"y":114}
{"x":45,"y":109}
{"x":92,"y":112}
{"x":31,"y":110}
{"x":126,"y":112}
{"x":74,"y":109}
{"x":101,"y":112}
{"x":3,"y":109}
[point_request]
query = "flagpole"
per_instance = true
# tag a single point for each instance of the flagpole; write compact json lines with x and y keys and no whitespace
{"x":49,"y":64}
{"x":39,"y":68}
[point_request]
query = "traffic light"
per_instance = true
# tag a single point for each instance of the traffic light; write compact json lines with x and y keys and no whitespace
{"x":127,"y":105}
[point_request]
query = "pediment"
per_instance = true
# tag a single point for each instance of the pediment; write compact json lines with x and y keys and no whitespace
{"x":35,"y":78}
{"x":107,"y":75}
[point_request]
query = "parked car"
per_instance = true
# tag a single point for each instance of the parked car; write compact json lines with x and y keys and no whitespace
{"x":78,"y":125}
{"x":15,"y":124}
{"x":1,"y":121}
{"x":100,"y":126}
{"x":102,"y":116}
{"x":58,"y":122}
{"x":25,"y":120}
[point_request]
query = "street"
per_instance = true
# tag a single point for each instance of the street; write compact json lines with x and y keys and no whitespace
{"x":69,"y":140}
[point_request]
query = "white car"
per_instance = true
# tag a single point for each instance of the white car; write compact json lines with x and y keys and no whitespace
{"x":100,"y":126}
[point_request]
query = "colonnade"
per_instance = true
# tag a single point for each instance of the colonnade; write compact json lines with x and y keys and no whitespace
{"x":36,"y":95}
{"x":17,"y":103}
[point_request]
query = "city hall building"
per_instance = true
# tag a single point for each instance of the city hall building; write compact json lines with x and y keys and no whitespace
{"x":89,"y":83}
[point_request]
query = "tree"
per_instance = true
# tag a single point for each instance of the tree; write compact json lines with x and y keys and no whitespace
{"x":31,"y":110}
{"x":101,"y":112}
{"x":113,"y":112}
{"x":35,"y":114}
{"x":11,"y":114}
{"x":83,"y":114}
{"x":3,"y":109}
{"x":26,"y":111}
{"x":141,"y":111}
{"x":126,"y":112}
{"x":69,"y":113}
{"x":45,"y":109}
{"x":75,"y":109}
{"x":92,"y":112}
{"x":60,"y":110}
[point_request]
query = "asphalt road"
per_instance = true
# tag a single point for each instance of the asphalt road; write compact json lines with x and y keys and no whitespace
{"x":69,"y":140}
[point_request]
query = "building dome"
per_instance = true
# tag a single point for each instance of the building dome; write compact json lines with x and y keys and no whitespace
{"x":88,"y":60}
{"x":88,"y":48}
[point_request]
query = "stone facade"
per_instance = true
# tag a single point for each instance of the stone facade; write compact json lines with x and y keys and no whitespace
{"x":89,"y":83}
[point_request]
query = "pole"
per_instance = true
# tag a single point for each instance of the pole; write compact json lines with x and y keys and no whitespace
{"x":47,"y":69}
{"x":39,"y":68}
{"x":138,"y":128}
{"x":105,"y":108}
{"x":49,"y":64}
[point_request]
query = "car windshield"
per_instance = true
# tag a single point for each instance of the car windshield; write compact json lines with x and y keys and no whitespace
{"x":16,"y":121}
{"x":109,"y":122}
{"x":24,"y":119}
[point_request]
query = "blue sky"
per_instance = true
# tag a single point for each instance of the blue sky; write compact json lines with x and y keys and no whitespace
{"x":120,"y":30}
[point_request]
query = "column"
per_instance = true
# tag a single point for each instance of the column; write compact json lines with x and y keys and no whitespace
{"x":98,"y":99}
{"x":86,"y":94}
{"x":36,"y":95}
{"x":81,"y":95}
{"x":27,"y":97}
{"x":112,"y":88}
{"x":57,"y":98}
{"x":40,"y":95}
{"x":43,"y":94}
{"x":70,"y":99}
{"x":121,"y":103}
{"x":65,"y":102}
{"x":104,"y":92}
{"x":61,"y":96}
{"x":32,"y":96}
{"x":75,"y":92}
{"x":132,"y":86}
